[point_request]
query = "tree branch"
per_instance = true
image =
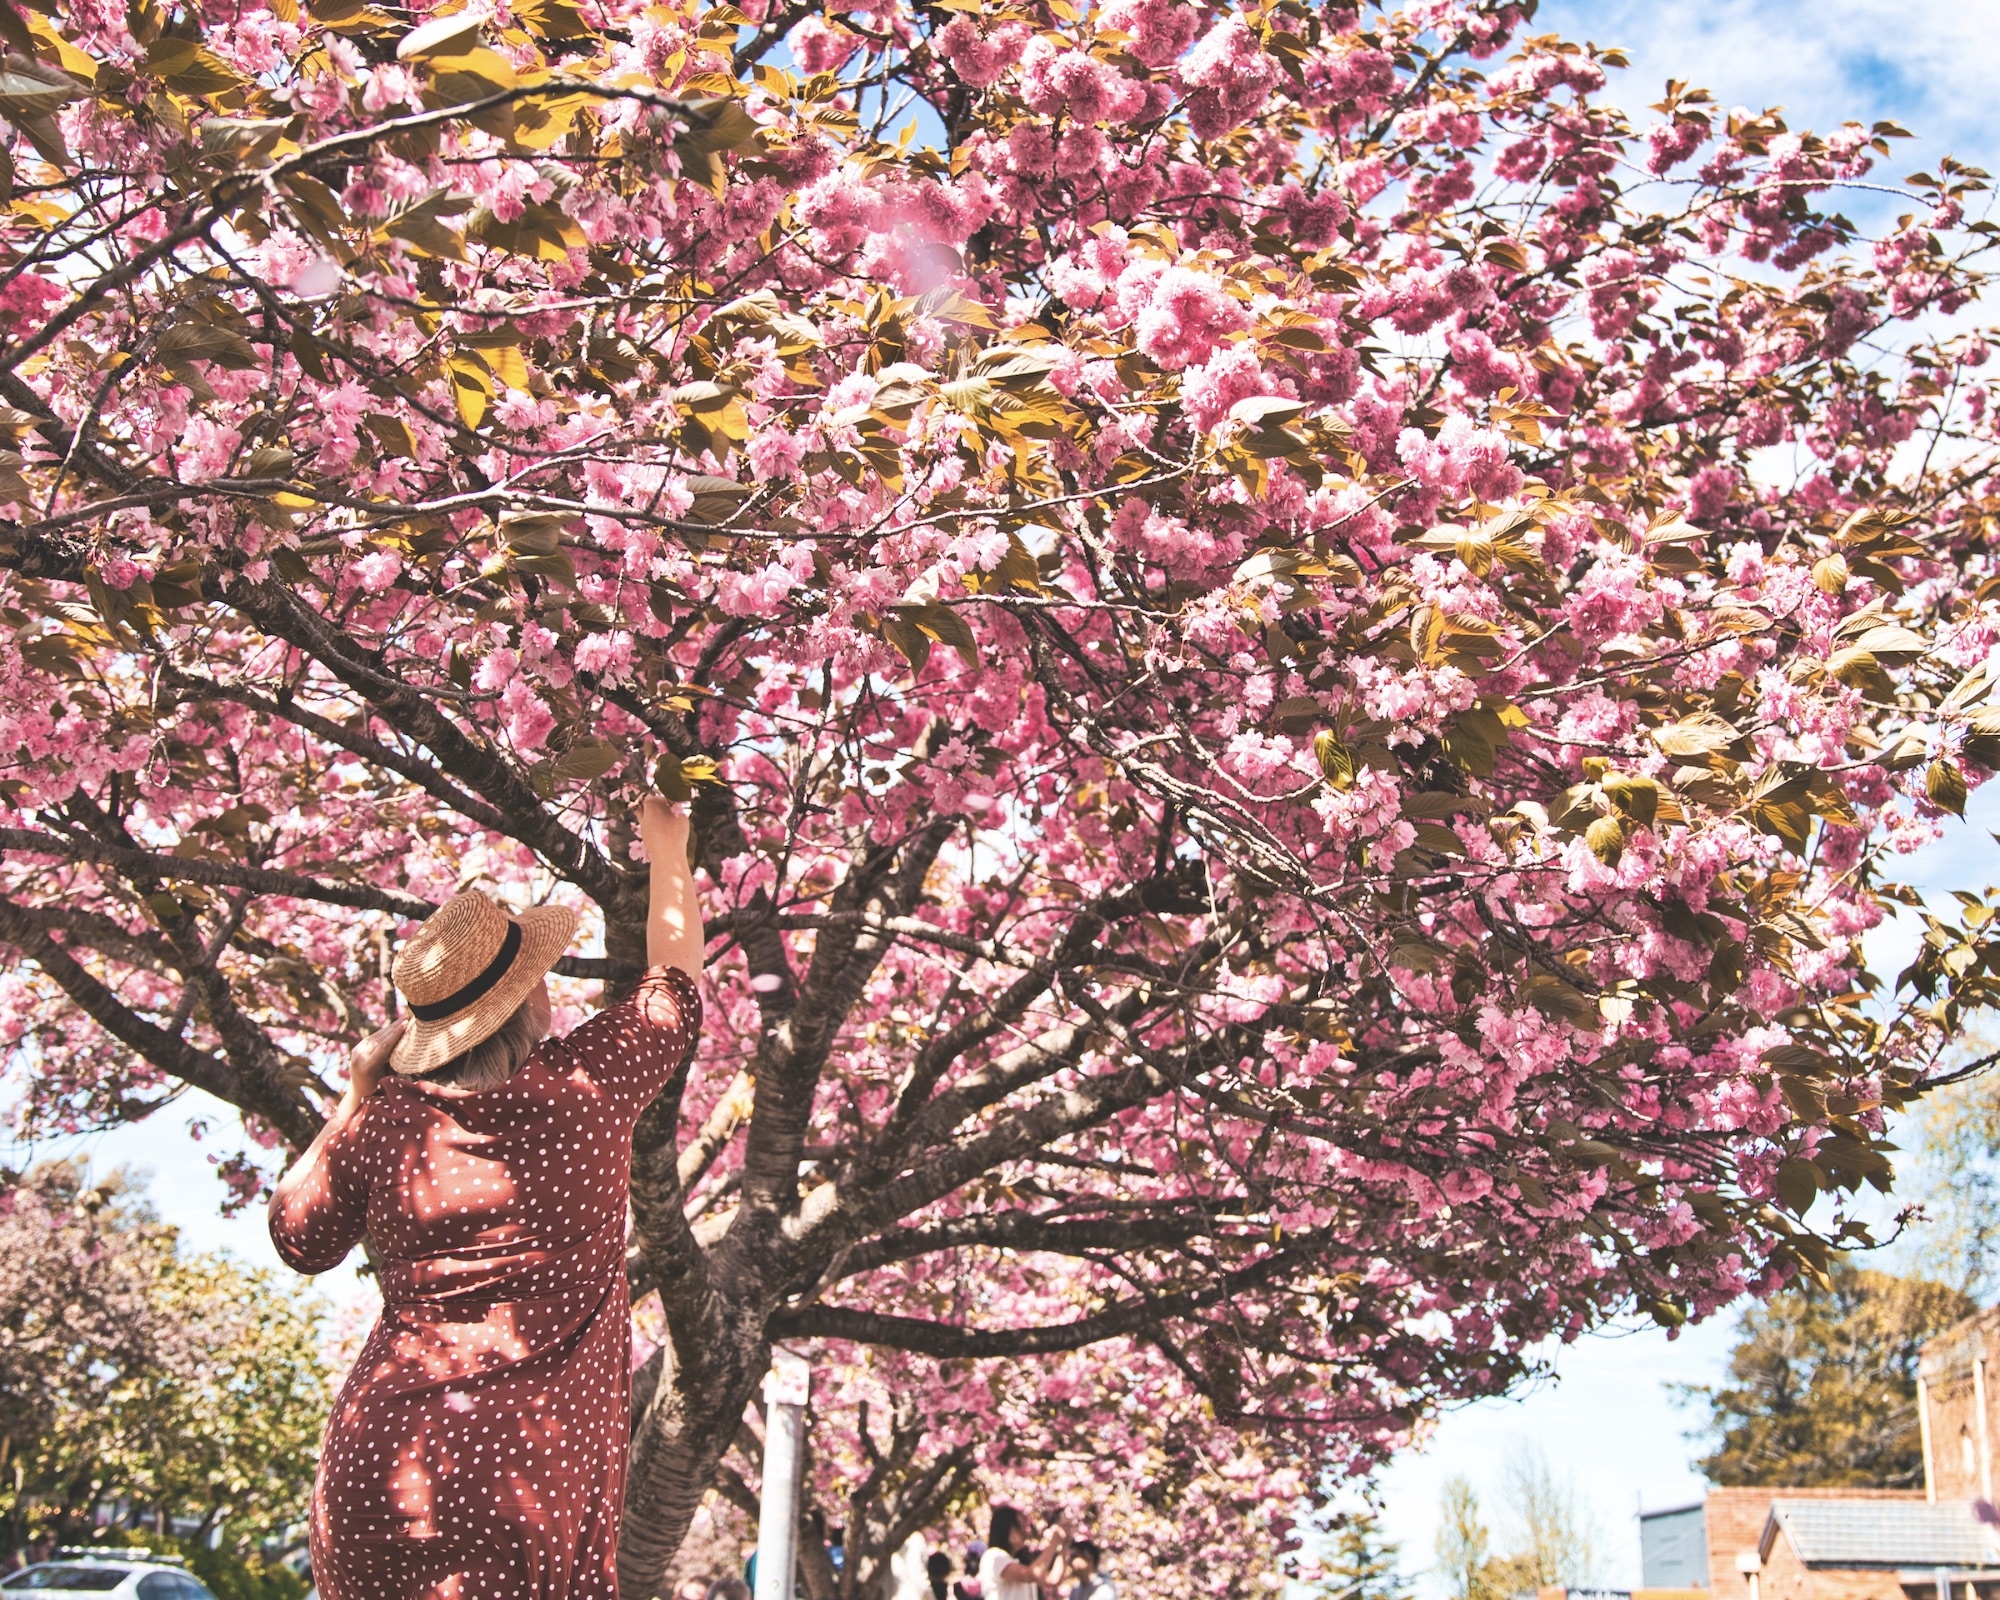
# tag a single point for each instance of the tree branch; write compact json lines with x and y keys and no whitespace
{"x":949,"y":1342}
{"x":262,"y":880}
{"x":292,"y":1117}
{"x":422,"y":774}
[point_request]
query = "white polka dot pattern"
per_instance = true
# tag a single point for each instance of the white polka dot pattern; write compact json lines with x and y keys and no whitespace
{"x":477,"y":1449}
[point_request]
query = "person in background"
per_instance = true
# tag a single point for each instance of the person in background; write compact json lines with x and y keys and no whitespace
{"x":1086,"y":1564}
{"x":909,"y":1575}
{"x":938,"y":1568}
{"x":967,"y":1587}
{"x":691,"y":1589}
{"x":1009,"y":1570}
{"x":729,"y":1589}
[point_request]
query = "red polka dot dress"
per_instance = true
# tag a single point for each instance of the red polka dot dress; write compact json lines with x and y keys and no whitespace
{"x":477,"y":1450}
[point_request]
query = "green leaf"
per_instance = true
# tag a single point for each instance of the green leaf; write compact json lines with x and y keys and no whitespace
{"x":585,"y":760}
{"x":441,"y":36}
{"x":30,"y":90}
{"x":1606,"y":838}
{"x":423,"y":229}
{"x":671,"y":781}
{"x":1703,"y":734}
{"x":543,"y":232}
{"x":1267,"y":411}
{"x":1558,"y":1001}
{"x":393,"y":434}
{"x":191,"y":67}
{"x":944,"y":625}
{"x":471,"y":387}
{"x":1336,"y":761}
{"x":1799,"y":1184}
{"x":1638,"y":798}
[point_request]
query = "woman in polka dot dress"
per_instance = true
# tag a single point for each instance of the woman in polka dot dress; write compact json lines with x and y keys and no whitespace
{"x":477,"y":1450}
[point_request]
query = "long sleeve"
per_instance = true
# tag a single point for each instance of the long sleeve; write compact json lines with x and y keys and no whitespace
{"x":319,"y":1210}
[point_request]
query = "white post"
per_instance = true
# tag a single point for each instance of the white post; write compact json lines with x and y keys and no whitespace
{"x":787,"y":1388}
{"x":1924,"y":1437}
{"x":1985,"y":1429}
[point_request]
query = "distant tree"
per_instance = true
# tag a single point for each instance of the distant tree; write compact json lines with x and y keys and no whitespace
{"x":1463,"y":1541}
{"x":1957,"y":1179}
{"x":1823,"y":1388}
{"x":1555,"y":1539}
{"x":1364,"y":1564}
{"x":176,"y":1388}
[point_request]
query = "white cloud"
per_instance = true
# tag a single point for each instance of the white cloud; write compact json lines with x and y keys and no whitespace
{"x":1929,"y":64}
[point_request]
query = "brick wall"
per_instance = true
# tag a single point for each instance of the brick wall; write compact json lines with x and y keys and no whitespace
{"x":1736,"y":1518}
{"x":1949,"y":1365}
{"x":1785,"y":1577}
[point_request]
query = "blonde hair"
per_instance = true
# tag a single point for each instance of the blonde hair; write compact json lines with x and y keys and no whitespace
{"x":498,"y":1056}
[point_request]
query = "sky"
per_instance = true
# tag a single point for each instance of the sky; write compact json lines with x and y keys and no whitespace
{"x":1607,"y":1422}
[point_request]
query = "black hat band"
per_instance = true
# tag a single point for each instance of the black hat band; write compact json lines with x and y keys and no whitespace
{"x":510,"y":947}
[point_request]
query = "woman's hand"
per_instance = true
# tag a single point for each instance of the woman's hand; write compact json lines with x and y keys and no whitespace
{"x":369,"y":1062}
{"x":663,"y":829}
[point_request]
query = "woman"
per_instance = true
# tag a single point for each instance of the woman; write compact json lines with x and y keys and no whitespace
{"x":1008,"y":1571}
{"x":477,"y":1450}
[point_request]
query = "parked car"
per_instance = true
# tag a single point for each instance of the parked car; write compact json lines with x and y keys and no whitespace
{"x":106,"y":1575}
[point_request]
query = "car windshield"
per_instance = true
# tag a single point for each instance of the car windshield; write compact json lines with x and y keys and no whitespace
{"x":92,"y":1579}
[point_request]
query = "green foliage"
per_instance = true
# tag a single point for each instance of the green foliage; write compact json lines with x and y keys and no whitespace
{"x":1822,"y":1385}
{"x":1554,"y":1540}
{"x":180,"y":1388}
{"x":1958,"y":1179}
{"x":1363,"y":1564}
{"x":1463,"y":1542}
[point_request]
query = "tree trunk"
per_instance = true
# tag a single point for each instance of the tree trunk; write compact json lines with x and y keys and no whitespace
{"x":679,"y":1439}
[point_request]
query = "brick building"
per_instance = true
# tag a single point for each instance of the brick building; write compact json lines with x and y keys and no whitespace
{"x":1823,"y":1544}
{"x":1847,"y":1549}
{"x":1955,"y":1378}
{"x":1940,"y":1542}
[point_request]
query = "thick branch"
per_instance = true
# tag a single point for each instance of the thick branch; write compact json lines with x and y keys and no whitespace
{"x":1018,"y":1230}
{"x":217,"y":874}
{"x":172,"y":1055}
{"x":946,"y":1341}
{"x":487,"y":773}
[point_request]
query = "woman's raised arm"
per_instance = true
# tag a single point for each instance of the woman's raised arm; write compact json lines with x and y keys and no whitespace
{"x":674,"y":936}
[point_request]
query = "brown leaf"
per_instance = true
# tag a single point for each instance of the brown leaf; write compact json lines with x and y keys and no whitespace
{"x":203,"y":341}
{"x":1699,"y":735}
{"x":1945,"y":785}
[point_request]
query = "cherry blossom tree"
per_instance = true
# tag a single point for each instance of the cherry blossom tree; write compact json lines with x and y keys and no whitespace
{"x":1267,"y":741}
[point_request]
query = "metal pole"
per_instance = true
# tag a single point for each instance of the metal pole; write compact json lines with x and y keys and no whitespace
{"x":787,"y":1388}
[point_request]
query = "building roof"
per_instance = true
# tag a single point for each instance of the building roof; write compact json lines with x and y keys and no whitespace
{"x":1883,"y":1533}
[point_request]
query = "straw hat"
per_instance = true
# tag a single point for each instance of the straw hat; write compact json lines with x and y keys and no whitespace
{"x":464,"y":972}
